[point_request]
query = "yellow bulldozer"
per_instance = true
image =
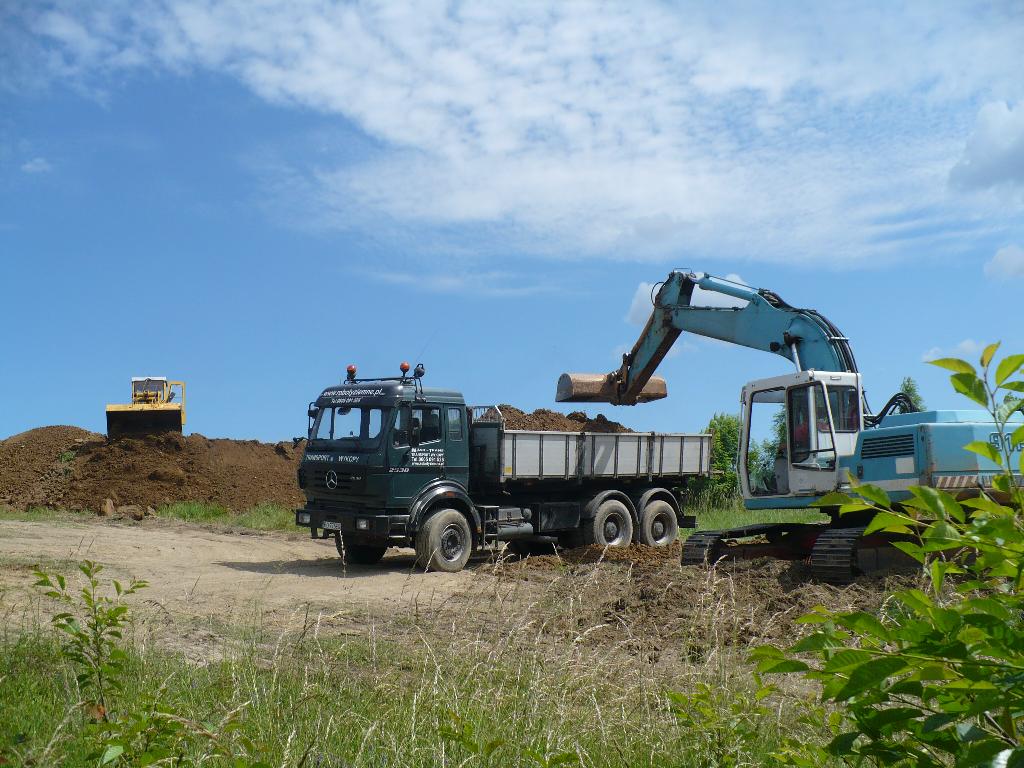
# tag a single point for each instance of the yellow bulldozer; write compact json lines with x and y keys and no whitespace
{"x":157,"y":405}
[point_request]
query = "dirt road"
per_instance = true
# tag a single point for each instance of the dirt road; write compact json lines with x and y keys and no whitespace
{"x":205,"y":586}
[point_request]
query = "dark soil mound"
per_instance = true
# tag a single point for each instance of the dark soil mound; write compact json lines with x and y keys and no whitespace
{"x":662,"y":604}
{"x":75,"y":469}
{"x":36,"y":466}
{"x":543,"y":419}
{"x":71,"y":468}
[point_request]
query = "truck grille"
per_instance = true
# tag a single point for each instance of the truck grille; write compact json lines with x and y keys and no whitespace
{"x":890,"y":446}
{"x":331,"y":481}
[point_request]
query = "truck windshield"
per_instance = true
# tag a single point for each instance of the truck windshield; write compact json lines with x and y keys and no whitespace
{"x":361,"y":426}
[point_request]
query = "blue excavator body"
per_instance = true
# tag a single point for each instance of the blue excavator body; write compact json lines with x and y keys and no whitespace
{"x":825,"y":435}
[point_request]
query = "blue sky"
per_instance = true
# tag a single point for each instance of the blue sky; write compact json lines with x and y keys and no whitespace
{"x":251,"y":196}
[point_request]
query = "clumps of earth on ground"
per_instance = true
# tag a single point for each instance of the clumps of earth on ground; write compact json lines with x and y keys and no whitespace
{"x":65,"y":467}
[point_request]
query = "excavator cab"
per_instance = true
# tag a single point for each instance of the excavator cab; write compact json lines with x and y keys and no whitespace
{"x":795,"y":430}
{"x":157,"y":405}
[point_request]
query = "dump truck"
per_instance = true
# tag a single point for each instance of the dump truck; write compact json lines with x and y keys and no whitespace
{"x":158,"y":405}
{"x":391,"y":463}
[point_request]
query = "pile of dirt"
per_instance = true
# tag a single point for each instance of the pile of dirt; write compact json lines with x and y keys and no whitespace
{"x":74,"y":469}
{"x":36,"y":466}
{"x":552,"y":421}
{"x":644,"y":593}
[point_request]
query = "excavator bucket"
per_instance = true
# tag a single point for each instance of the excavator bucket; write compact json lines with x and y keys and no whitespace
{"x":142,"y":421}
{"x":603,"y":388}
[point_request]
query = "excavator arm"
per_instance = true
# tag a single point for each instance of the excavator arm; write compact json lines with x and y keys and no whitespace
{"x":765,"y":322}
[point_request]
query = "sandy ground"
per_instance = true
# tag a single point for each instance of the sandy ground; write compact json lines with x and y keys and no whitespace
{"x":207,"y":586}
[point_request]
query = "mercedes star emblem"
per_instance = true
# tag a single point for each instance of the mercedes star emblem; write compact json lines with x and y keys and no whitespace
{"x":331,"y":481}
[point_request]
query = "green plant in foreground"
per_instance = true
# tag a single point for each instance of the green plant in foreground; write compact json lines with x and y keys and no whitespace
{"x":144,"y":732}
{"x":91,"y":629}
{"x":938,"y":678}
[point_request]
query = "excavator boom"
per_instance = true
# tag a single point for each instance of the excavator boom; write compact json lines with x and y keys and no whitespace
{"x":765,"y":322}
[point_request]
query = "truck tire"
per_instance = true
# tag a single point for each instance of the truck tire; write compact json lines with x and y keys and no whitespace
{"x":658,"y":524}
{"x":611,"y":526}
{"x":360,"y":554}
{"x":444,"y":542}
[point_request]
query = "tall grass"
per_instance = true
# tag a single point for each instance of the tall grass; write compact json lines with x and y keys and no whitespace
{"x":531,"y":671}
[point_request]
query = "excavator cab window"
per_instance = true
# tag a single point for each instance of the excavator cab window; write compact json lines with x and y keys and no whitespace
{"x":810,"y":428}
{"x":766,"y":463}
{"x":845,"y":403}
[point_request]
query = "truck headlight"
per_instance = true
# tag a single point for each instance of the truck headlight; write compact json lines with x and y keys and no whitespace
{"x":362,"y":524}
{"x":303,"y":518}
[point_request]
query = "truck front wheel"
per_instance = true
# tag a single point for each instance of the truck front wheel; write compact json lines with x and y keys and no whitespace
{"x":360,"y":554}
{"x":611,"y":526}
{"x":445,"y":542}
{"x":658,"y":524}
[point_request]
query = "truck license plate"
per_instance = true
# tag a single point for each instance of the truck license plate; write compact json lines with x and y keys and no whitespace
{"x":331,"y":525}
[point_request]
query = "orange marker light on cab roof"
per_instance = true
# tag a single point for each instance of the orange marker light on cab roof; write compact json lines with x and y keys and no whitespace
{"x":351,"y":372}
{"x":404,"y":367}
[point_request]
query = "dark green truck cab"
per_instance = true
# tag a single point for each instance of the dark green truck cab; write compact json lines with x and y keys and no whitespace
{"x":391,"y":463}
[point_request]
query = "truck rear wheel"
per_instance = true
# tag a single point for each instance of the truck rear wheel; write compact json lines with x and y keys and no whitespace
{"x":360,"y":554}
{"x":611,"y":526}
{"x":658,"y":524}
{"x":445,"y":542}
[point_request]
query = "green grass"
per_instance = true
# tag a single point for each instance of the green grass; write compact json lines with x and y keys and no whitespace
{"x":735,"y":515}
{"x":426,"y":692}
{"x":265,"y":517}
{"x":35,"y":514}
{"x":366,"y":703}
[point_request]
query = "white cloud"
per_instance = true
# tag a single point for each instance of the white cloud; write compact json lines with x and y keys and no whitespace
{"x":1008,"y":262}
{"x":642,"y":303}
{"x":966,"y":349}
{"x":36,"y":165}
{"x":480,"y":283}
{"x":628,"y":129}
{"x":640,"y":307}
{"x":994,"y":153}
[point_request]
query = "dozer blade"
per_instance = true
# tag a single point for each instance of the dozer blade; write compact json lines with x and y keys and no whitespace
{"x":603,"y":388}
{"x":120,"y":423}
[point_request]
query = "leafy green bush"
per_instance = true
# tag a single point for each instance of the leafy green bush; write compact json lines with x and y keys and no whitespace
{"x":722,"y":488}
{"x":141,"y":732}
{"x":938,"y":678}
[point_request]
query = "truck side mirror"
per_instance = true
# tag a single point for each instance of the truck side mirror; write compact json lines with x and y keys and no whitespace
{"x":311,"y":413}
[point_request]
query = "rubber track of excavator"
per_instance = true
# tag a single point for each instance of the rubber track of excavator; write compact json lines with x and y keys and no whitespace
{"x":834,"y":556}
{"x":703,"y":547}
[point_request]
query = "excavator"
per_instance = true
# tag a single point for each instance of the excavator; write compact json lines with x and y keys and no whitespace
{"x":803,"y":434}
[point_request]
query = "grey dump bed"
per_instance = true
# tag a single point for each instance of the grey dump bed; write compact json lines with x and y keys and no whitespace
{"x":513,"y":454}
